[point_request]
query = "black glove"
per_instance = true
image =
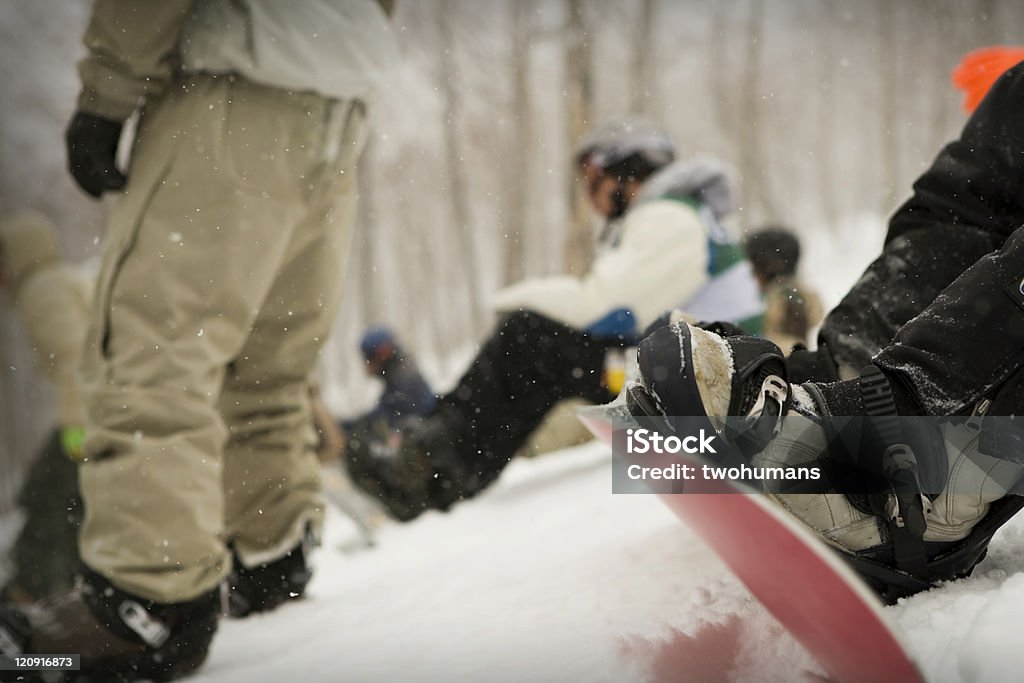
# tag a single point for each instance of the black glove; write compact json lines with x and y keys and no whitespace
{"x":662,"y":320}
{"x":723,"y":329}
{"x":811,"y":366}
{"x":92,"y":148}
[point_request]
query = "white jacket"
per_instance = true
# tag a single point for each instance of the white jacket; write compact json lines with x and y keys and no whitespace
{"x":660,"y":261}
{"x":670,"y":250}
{"x":336,"y":48}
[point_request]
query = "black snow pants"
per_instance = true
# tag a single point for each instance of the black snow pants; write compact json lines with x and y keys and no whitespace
{"x":964,"y":207}
{"x":529,"y":364}
{"x":968,"y":344}
{"x":909,"y":274}
{"x":44,"y":557}
{"x":962,"y":353}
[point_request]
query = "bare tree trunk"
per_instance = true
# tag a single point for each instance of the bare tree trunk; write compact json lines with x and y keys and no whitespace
{"x":514,"y":218}
{"x":943,"y":34}
{"x":987,"y":24}
{"x":641,"y":85}
{"x":10,"y":465}
{"x":824,"y":152}
{"x":723,"y":96}
{"x":890,"y":142}
{"x":416,"y":247}
{"x":579,"y":247}
{"x":455,"y":167}
{"x":755,"y":180}
{"x":365,"y":251}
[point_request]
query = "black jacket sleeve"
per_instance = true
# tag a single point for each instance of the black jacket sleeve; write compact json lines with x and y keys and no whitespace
{"x":978,"y":180}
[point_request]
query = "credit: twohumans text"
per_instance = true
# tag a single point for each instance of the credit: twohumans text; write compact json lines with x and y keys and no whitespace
{"x":742,"y":473}
{"x":705,"y":444}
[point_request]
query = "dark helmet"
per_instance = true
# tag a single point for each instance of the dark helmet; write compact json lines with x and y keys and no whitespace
{"x":629,"y":150}
{"x":376,"y":339}
{"x":773,"y":252}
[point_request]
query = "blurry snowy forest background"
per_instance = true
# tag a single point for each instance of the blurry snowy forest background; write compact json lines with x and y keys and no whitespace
{"x":828,"y":110}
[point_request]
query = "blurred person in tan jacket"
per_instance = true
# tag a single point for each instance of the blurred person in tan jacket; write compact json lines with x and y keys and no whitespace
{"x":792,"y":309}
{"x":51,"y":299}
{"x":221,"y":276}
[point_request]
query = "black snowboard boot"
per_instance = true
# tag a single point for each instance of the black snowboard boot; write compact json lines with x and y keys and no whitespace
{"x":383,"y":467}
{"x":120,"y":637}
{"x":416,"y":468}
{"x":271,"y":584}
{"x":692,"y":372}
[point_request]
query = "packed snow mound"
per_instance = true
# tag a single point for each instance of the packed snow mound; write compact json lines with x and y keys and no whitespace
{"x":548,"y":576}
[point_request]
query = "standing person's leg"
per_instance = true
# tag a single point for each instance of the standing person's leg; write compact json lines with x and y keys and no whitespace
{"x":271,"y":472}
{"x":221,"y":177}
{"x":192,"y":251}
{"x":192,"y":248}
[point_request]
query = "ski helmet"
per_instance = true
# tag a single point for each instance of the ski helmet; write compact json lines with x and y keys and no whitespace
{"x":773,"y":252}
{"x":629,"y":150}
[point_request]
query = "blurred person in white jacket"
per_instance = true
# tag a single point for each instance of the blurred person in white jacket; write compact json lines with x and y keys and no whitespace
{"x":221,"y":275}
{"x":663,"y":247}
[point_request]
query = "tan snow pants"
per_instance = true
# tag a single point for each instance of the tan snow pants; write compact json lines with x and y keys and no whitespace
{"x":221,"y":277}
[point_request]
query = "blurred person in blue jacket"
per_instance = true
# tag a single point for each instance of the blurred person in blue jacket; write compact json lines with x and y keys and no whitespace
{"x":405,"y":393}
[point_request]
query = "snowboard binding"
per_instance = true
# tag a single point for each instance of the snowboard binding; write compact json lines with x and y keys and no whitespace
{"x":738,"y":385}
{"x":676,"y":381}
{"x":945,"y":561}
{"x":908,"y":564}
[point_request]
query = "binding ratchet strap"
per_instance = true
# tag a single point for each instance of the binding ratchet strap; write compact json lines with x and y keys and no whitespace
{"x":901,"y":508}
{"x":152,"y":631}
{"x":760,"y":415}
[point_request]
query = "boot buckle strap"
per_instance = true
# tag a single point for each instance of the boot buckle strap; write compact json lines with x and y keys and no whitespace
{"x":774,"y":388}
{"x":152,"y":631}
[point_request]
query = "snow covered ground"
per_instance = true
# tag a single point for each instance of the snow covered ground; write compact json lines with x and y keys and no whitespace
{"x":550,"y":577}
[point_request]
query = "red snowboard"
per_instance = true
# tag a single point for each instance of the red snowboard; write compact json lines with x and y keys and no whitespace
{"x":803,"y":583}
